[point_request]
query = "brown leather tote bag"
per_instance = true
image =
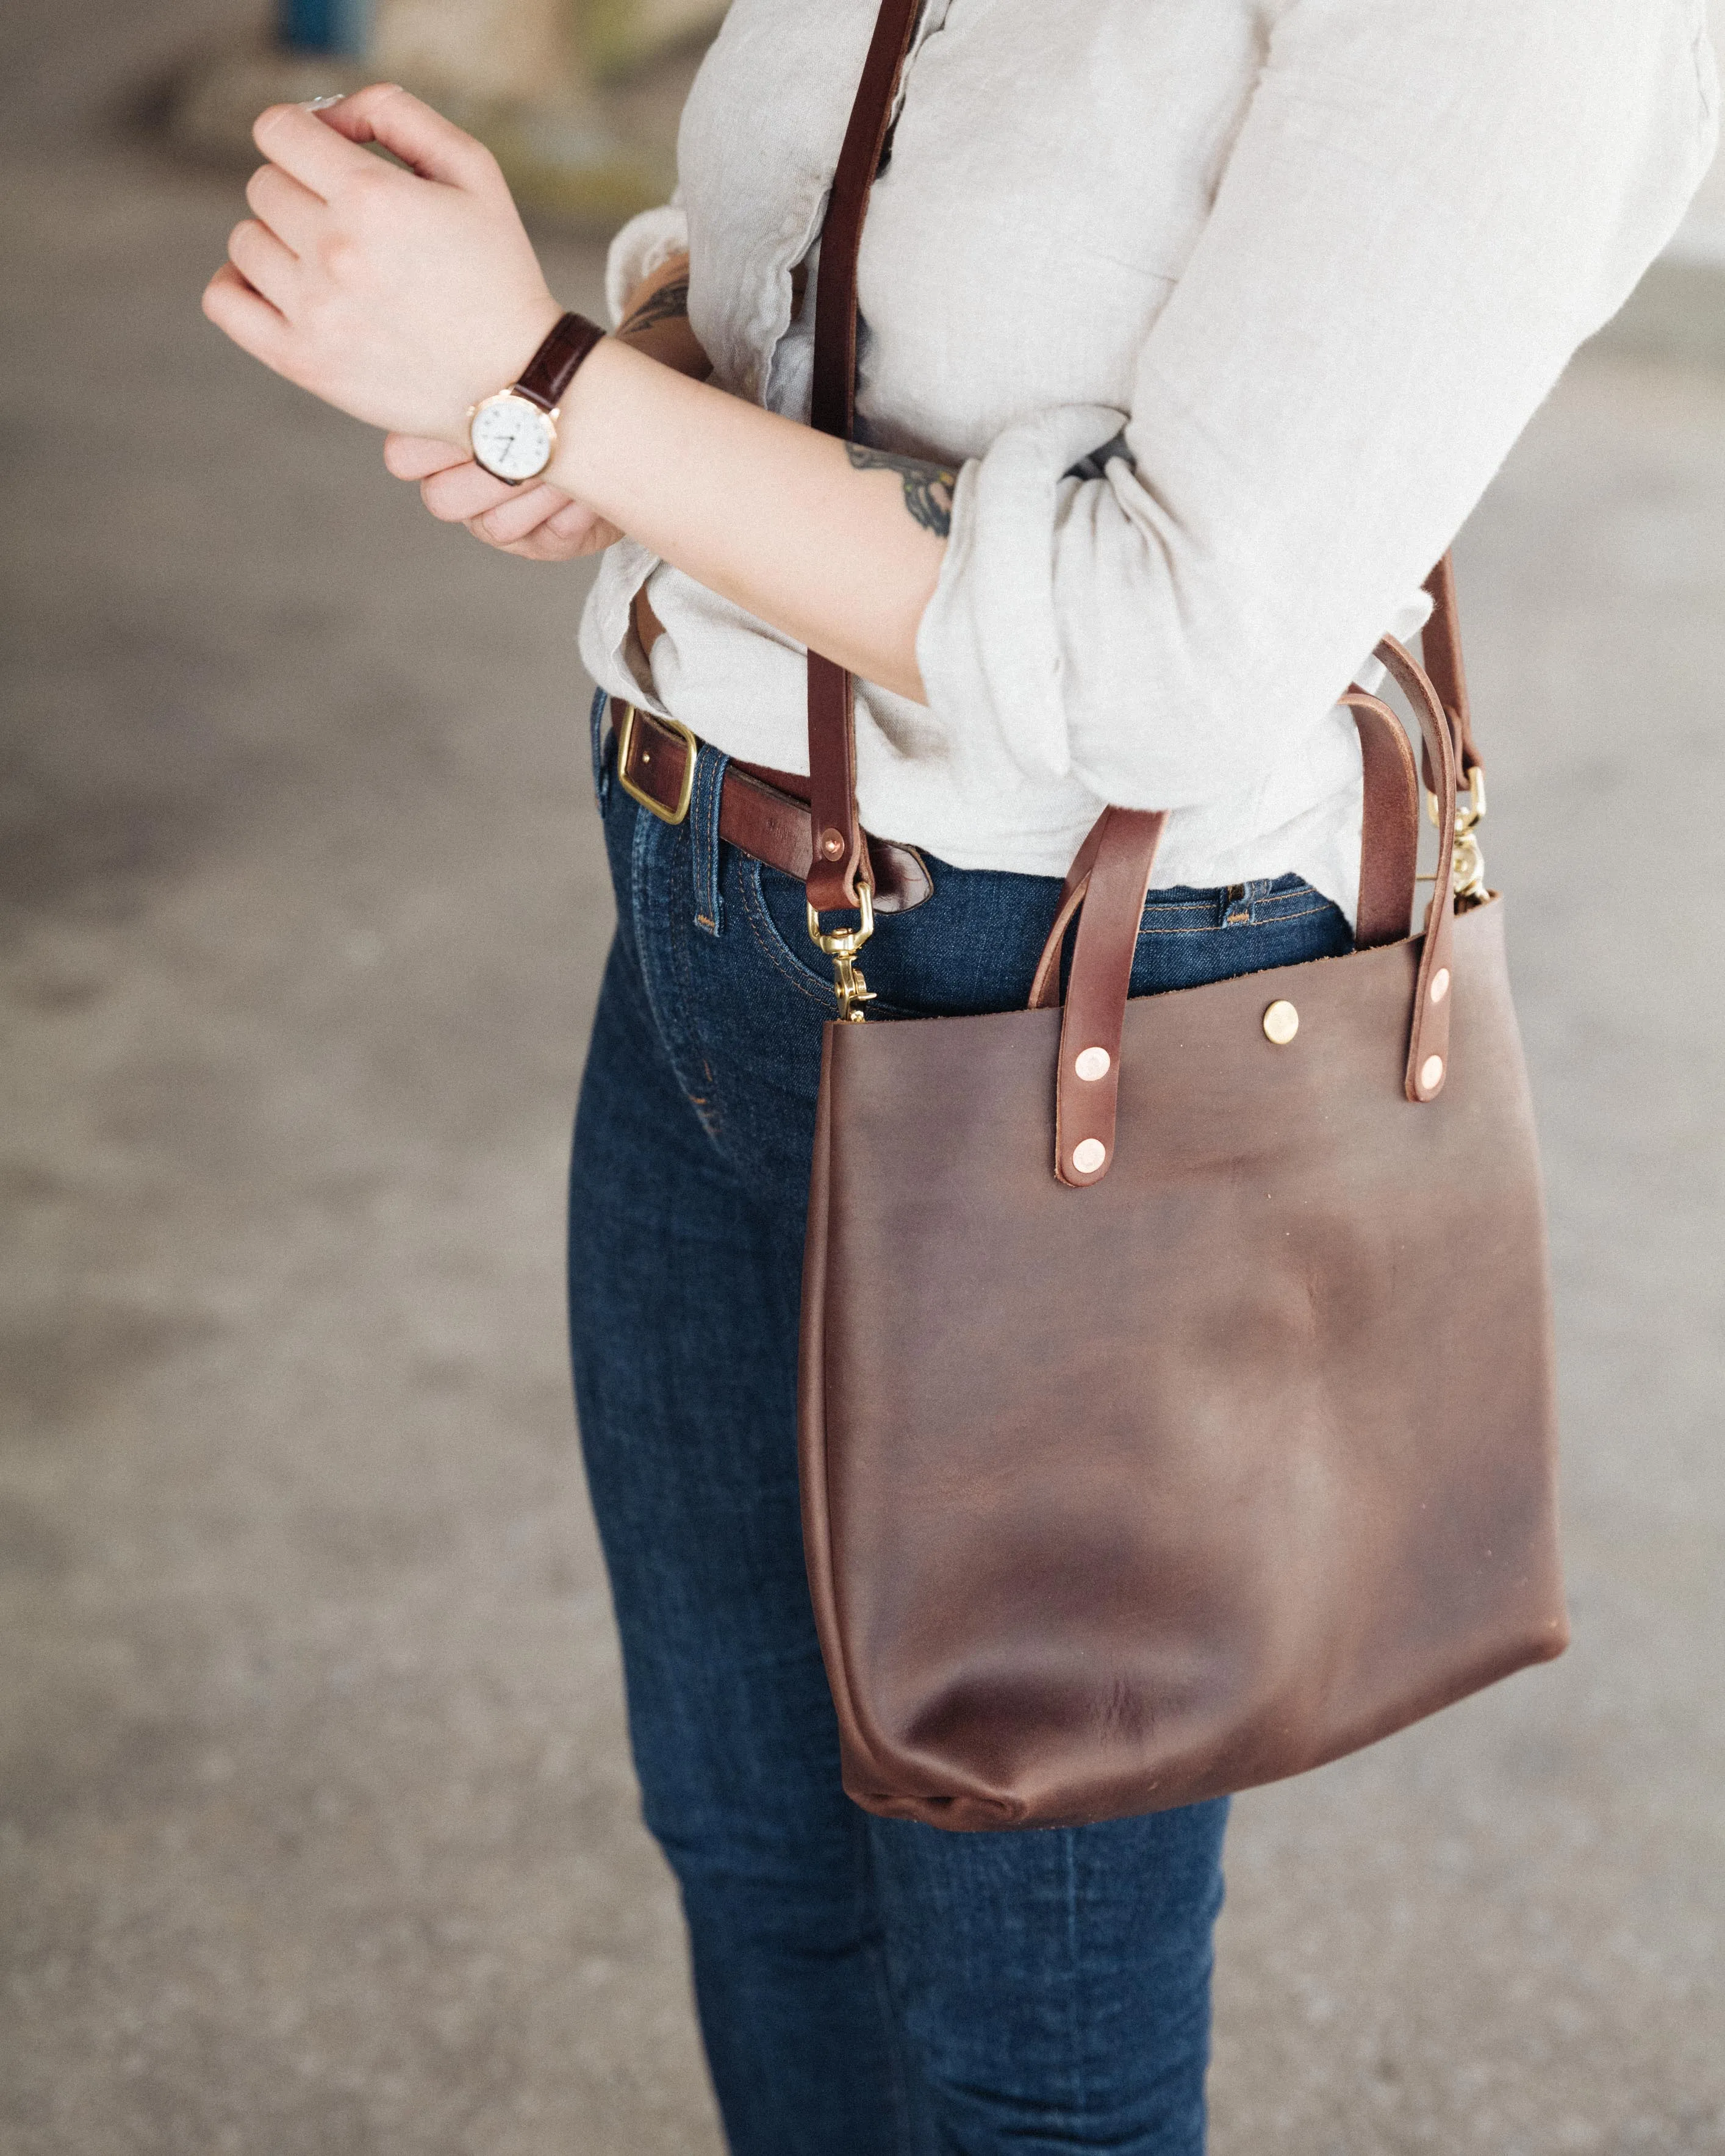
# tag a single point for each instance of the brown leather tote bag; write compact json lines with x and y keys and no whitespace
{"x":1176,"y":1392}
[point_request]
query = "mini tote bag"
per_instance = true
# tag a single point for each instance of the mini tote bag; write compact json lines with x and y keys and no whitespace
{"x":1176,"y":1373}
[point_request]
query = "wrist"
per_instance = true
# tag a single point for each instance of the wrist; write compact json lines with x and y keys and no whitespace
{"x":595,"y":405}
{"x":512,"y":432}
{"x":497,"y":358}
{"x":525,"y":338}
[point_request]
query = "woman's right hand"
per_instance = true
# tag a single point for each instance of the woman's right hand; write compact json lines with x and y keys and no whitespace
{"x":539,"y":523}
{"x":542,"y":523}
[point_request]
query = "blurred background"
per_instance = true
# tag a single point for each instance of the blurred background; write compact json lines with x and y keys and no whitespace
{"x":317,"y":1833}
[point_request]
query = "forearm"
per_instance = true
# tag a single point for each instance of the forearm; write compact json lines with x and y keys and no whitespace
{"x":404,"y":293}
{"x":829,"y":544}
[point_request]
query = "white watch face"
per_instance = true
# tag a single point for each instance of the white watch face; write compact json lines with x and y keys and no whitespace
{"x":512,"y":439}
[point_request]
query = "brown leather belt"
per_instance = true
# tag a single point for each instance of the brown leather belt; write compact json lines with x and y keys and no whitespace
{"x":759,"y":811}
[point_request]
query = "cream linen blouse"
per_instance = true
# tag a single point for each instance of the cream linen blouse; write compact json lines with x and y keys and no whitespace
{"x":1306,"y":267}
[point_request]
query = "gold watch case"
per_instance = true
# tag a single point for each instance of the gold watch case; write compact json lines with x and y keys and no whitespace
{"x":492,"y":445}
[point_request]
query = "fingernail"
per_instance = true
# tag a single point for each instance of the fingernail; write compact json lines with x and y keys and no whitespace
{"x":318,"y":103}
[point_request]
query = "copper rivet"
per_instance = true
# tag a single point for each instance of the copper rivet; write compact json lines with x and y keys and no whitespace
{"x":1088,"y":1155}
{"x":832,"y":844}
{"x":1281,"y":1021}
{"x":1440,"y":984}
{"x":1431,"y":1072}
{"x":1092,"y":1063}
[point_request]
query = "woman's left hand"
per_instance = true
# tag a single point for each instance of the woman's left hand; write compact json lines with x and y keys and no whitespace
{"x":401,"y":297}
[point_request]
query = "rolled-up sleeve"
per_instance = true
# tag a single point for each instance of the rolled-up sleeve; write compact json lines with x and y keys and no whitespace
{"x":646,"y":243}
{"x":1427,"y":209}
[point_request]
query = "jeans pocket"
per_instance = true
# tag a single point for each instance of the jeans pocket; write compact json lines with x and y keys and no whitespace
{"x":777,"y":910}
{"x":764,"y":891}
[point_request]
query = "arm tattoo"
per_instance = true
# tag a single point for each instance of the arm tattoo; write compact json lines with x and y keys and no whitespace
{"x":928,"y":487}
{"x":666,"y":304}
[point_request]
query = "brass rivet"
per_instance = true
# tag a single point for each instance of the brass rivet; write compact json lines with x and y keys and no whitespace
{"x":1088,"y":1155}
{"x":1092,"y":1063}
{"x":1281,"y":1021}
{"x":1440,"y":984}
{"x":1431,"y":1074}
{"x":832,"y":844}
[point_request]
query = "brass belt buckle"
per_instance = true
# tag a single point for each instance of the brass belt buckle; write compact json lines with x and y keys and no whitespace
{"x":625,"y":741}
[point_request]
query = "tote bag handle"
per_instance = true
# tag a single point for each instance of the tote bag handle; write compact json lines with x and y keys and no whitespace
{"x":1106,"y":889}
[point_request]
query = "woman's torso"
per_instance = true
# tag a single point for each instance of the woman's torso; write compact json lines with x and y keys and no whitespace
{"x":1051,"y":172}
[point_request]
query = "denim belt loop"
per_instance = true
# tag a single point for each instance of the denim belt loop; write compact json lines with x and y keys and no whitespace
{"x":709,"y":768}
{"x":1238,"y":906}
{"x":601,"y":774}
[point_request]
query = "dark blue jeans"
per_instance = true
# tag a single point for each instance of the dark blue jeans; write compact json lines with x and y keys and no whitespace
{"x":865,"y":1987}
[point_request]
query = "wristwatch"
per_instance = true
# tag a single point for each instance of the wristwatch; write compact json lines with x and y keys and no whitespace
{"x":514,"y":434}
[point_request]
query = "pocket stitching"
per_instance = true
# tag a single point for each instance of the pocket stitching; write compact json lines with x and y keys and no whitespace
{"x":1263,"y":920}
{"x":767,"y":935}
{"x":785,"y":961}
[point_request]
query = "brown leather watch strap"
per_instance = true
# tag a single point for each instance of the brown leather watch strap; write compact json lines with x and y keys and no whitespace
{"x":551,"y":370}
{"x":840,"y":861}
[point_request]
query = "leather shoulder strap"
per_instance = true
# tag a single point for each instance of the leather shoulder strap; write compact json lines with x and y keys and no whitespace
{"x":841,"y":862}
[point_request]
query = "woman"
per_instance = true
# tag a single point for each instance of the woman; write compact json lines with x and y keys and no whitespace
{"x":1193,"y":330}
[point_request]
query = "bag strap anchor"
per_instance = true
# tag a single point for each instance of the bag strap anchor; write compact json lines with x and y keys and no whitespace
{"x":1107,"y":884}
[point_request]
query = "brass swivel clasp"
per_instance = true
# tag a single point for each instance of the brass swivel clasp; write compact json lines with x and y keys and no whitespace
{"x":841,"y":946}
{"x":1470,"y":864}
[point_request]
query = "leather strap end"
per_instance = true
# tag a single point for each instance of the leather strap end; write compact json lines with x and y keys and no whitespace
{"x":1429,"y":1048}
{"x":834,"y":886}
{"x":1087,"y":1088}
{"x":840,"y":859}
{"x":1428,"y":1066}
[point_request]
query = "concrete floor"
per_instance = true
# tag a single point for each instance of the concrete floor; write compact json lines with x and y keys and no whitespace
{"x":318,"y":1836}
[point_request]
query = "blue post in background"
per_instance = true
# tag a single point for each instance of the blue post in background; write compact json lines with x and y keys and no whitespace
{"x":324,"y":26}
